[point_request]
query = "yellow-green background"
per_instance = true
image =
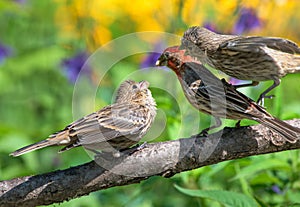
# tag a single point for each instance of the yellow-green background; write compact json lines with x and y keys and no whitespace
{"x":36,"y":95}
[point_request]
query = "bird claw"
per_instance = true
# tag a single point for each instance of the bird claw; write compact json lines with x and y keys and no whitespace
{"x":238,"y":124}
{"x":142,"y":146}
{"x":137,"y":148}
{"x":203,"y":133}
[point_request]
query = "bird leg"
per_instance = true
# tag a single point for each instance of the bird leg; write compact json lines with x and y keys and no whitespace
{"x":262,"y":96}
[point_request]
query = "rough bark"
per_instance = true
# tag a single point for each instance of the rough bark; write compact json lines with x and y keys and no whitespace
{"x":156,"y":159}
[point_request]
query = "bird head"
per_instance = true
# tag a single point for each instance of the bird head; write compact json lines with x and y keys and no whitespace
{"x":173,"y":57}
{"x":130,"y":91}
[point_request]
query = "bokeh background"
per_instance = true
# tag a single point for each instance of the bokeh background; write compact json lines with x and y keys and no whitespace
{"x":43,"y":46}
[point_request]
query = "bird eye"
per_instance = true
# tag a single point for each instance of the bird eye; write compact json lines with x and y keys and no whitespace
{"x":134,"y":87}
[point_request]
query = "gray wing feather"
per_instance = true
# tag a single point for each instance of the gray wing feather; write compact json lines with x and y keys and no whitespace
{"x":110,"y":122}
{"x":255,"y":44}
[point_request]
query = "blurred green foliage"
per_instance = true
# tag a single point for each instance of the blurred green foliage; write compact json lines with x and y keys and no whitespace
{"x":36,"y":96}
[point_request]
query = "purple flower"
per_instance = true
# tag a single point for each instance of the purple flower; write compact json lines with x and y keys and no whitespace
{"x":247,"y":21}
{"x":5,"y":52}
{"x":72,"y":66}
{"x":276,"y":189}
{"x":151,"y":58}
{"x":210,"y":26}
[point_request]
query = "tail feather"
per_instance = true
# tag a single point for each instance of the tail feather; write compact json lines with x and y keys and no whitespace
{"x":59,"y":138}
{"x":32,"y":147}
{"x":290,"y":133}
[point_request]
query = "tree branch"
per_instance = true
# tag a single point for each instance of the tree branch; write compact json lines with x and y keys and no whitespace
{"x":162,"y":158}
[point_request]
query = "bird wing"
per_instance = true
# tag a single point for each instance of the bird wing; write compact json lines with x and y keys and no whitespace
{"x":108,"y":123}
{"x":236,"y":101}
{"x":255,"y":44}
{"x":223,"y":96}
{"x":203,"y":82}
{"x":218,"y":95}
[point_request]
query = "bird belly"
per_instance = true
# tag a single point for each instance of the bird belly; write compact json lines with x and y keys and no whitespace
{"x":112,"y":145}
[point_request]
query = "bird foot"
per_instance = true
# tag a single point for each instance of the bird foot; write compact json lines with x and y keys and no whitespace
{"x":142,"y":146}
{"x":136,"y":148}
{"x":238,"y":124}
{"x":203,"y":133}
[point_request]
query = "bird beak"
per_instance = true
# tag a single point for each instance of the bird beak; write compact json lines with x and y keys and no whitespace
{"x":162,"y":60}
{"x":143,"y":85}
{"x":157,"y":63}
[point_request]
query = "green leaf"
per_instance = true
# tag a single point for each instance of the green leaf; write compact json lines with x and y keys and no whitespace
{"x":226,"y":198}
{"x":260,"y":166}
{"x":260,"y":202}
{"x":217,"y":168}
{"x":265,"y":178}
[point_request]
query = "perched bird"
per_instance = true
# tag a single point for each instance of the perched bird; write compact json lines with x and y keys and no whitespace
{"x":244,"y":57}
{"x":218,"y":98}
{"x":113,"y":128}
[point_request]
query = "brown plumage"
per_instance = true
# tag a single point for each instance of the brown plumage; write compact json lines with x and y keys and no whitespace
{"x":244,"y":57}
{"x":218,"y":98}
{"x":113,"y":128}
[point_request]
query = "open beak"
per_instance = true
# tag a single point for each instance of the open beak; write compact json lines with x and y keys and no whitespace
{"x":162,"y":60}
{"x":143,"y":85}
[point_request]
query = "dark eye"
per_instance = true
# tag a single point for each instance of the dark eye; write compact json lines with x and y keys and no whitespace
{"x":134,"y":87}
{"x":167,"y":55}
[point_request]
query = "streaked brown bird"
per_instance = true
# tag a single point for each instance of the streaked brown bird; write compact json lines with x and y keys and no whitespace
{"x":111,"y":129}
{"x":218,"y":98}
{"x":244,"y":57}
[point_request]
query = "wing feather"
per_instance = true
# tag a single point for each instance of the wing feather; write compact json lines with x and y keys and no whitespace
{"x":255,"y":44}
{"x":109,"y":123}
